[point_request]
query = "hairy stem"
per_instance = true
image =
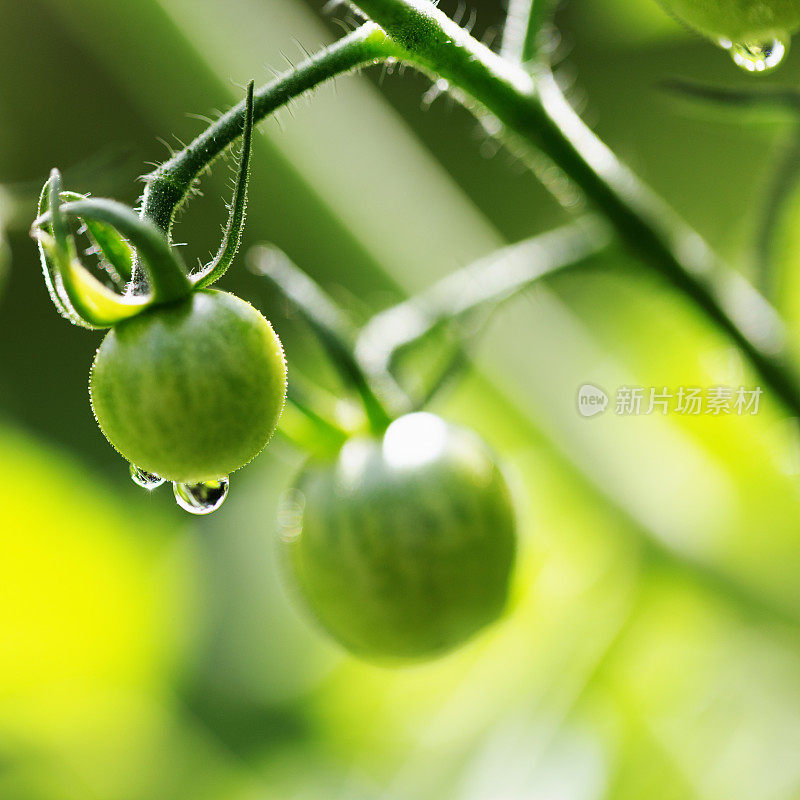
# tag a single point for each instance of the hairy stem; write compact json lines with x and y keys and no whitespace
{"x":167,"y":187}
{"x":537,"y":112}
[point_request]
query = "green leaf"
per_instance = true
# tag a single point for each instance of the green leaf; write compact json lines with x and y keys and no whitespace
{"x":231,"y":240}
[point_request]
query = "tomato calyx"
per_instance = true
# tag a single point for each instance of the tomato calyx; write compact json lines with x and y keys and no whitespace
{"x":125,"y":242}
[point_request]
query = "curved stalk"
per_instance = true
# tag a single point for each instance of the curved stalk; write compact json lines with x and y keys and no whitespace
{"x":786,"y":174}
{"x":471,"y":295}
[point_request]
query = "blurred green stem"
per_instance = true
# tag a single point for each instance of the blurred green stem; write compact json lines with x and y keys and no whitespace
{"x":779,"y":194}
{"x":477,"y":289}
{"x":535,"y":109}
{"x":526,"y":28}
{"x":483,"y":285}
{"x":308,"y":429}
{"x":332,"y":330}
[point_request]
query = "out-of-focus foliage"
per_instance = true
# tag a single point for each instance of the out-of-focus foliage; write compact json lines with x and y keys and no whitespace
{"x":652,"y":645}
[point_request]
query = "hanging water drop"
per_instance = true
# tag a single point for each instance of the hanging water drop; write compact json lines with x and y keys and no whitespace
{"x":756,"y":56}
{"x":147,"y":480}
{"x":201,"y":498}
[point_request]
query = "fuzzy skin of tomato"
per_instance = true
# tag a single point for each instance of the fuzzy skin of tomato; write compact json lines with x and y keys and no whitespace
{"x":739,"y":21}
{"x":403,"y":548}
{"x":190,"y":391}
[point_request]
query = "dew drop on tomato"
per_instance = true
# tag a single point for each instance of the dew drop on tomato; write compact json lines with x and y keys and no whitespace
{"x":760,"y":56}
{"x":201,"y":498}
{"x":147,"y":480}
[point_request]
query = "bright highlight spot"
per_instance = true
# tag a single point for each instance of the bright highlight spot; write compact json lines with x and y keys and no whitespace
{"x":414,"y":440}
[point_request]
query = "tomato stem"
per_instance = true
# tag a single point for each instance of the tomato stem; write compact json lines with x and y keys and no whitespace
{"x":168,"y":186}
{"x":319,"y":434}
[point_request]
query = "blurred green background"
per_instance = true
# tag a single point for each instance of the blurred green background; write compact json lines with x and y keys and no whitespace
{"x":652,"y":647}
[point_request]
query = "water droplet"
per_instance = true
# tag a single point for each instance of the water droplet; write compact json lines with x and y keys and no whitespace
{"x":756,"y":56}
{"x":201,"y":498}
{"x":147,"y":480}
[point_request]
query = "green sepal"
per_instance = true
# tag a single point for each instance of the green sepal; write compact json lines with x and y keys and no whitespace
{"x":232,"y":237}
{"x":116,"y":254}
{"x":76,"y":293}
{"x":50,"y":270}
{"x":164,"y":268}
{"x":95,"y":304}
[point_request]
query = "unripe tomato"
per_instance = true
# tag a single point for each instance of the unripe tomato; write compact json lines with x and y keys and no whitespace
{"x":190,"y":391}
{"x":403,"y":547}
{"x":738,"y":21}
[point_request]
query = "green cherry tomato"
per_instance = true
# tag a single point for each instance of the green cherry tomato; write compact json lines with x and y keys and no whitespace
{"x":190,"y":391}
{"x":402,"y":547}
{"x":738,"y":21}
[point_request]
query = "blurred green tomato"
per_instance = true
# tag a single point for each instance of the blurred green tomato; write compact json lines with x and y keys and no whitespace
{"x":403,"y":547}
